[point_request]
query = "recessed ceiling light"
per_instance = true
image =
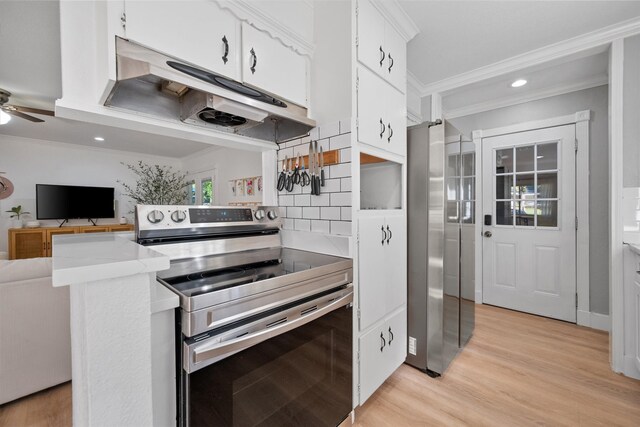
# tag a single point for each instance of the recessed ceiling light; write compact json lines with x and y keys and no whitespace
{"x":99,"y":138}
{"x":4,"y":118}
{"x":519,"y":83}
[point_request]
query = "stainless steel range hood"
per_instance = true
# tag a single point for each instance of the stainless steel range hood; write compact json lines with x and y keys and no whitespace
{"x":156,"y":85}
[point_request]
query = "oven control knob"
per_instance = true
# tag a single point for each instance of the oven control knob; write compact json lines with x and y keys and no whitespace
{"x":272,"y":215}
{"x":155,"y":216}
{"x":259,"y":214}
{"x":178,"y":216}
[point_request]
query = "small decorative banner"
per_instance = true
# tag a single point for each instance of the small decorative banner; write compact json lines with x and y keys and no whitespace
{"x":239,"y":187}
{"x":248,"y":185}
{"x":232,"y":187}
{"x":259,"y":184}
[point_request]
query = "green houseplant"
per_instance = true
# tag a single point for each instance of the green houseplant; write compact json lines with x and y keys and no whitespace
{"x":156,"y":185}
{"x":17,"y":212}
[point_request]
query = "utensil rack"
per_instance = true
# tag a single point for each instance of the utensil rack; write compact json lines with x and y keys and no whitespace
{"x":331,"y":157}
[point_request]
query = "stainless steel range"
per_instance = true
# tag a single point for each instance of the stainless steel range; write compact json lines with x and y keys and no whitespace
{"x":264,"y":333}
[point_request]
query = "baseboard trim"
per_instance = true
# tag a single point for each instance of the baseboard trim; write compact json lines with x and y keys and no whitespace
{"x":630,"y":368}
{"x":594,"y":320}
{"x":478,"y":296}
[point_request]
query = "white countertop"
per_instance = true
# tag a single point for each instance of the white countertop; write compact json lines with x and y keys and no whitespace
{"x":81,"y":258}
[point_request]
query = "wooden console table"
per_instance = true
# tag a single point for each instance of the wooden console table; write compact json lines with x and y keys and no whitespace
{"x":36,"y":242}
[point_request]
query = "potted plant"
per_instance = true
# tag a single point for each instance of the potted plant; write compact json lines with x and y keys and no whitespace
{"x":156,"y":185}
{"x":17,"y":212}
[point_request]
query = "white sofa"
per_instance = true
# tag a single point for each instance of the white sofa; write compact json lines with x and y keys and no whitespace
{"x":35,"y":339}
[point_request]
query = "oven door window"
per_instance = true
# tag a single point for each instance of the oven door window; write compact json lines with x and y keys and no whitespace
{"x":302,"y":377}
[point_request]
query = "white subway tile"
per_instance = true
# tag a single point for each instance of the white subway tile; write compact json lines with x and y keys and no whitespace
{"x":320,"y":226}
{"x":306,"y":189}
{"x":302,"y":200}
{"x":294,"y":212}
{"x":341,"y":170}
{"x":345,"y":155}
{"x":340,"y":199}
{"x":282,"y":212}
{"x":284,"y":152}
{"x":311,"y":213}
{"x":285,"y":200}
{"x":302,"y":224}
{"x":340,"y":141}
{"x":314,"y":134}
{"x":345,"y":126}
{"x":329,"y":129}
{"x":345,"y":213}
{"x":329,"y":213}
{"x":345,"y":184}
{"x":331,"y":186}
{"x":341,"y":227}
{"x":287,"y":224}
{"x":321,"y":200}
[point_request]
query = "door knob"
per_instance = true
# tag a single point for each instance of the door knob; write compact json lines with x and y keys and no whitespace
{"x":487,"y":234}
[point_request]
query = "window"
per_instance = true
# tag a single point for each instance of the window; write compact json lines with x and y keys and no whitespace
{"x":461,"y":188}
{"x":201,"y":188}
{"x":207,"y":191}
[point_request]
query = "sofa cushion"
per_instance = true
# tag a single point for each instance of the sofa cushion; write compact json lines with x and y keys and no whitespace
{"x":24,"y":269}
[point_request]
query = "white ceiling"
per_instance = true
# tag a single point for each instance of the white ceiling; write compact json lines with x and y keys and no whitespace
{"x":460,"y":36}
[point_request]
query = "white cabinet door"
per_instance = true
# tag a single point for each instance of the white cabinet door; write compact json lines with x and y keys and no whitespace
{"x":395,"y":67}
{"x":371,"y":51}
{"x":396,"y":262}
{"x":372,"y":123}
{"x":396,"y":116}
{"x":198,"y":32}
{"x":269,"y":65}
{"x":371,"y":270}
{"x":382,"y":350}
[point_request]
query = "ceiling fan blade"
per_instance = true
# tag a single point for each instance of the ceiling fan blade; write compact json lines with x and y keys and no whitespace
{"x":33,"y":110}
{"x":24,"y":116}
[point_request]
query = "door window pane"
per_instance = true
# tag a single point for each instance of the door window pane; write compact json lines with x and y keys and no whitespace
{"x":207,"y":191}
{"x":504,"y":161}
{"x":452,"y":212}
{"x":504,"y":213}
{"x":468,"y":189}
{"x":548,"y":185}
{"x":525,"y":185}
{"x":547,"y":156}
{"x":191,"y":193}
{"x":504,"y":186}
{"x":525,"y":161}
{"x":468,"y":164}
{"x":453,"y":186}
{"x":468,"y":212}
{"x":525,"y":213}
{"x":453,"y":165}
{"x":548,"y":213}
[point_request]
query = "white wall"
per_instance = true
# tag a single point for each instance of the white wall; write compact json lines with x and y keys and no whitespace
{"x":229,"y":164}
{"x":331,"y":64}
{"x":631,"y":126}
{"x":28,"y":162}
{"x":596,"y":100}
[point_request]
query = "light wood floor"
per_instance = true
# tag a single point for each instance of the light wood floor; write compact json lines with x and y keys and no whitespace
{"x":517,"y":370}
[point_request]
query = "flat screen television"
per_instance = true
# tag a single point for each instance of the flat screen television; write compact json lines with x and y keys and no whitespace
{"x":73,"y":202}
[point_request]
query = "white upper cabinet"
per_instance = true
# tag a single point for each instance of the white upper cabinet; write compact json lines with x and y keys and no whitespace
{"x":267,"y":64}
{"x":380,"y":47}
{"x":198,"y":32}
{"x":381,"y":113}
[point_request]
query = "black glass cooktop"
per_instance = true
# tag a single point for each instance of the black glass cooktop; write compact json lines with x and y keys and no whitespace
{"x":198,"y":276}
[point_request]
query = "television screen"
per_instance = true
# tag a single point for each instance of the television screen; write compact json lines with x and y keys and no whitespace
{"x":72,"y":202}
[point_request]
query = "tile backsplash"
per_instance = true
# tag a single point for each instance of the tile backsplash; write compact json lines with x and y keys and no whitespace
{"x":329,"y":212}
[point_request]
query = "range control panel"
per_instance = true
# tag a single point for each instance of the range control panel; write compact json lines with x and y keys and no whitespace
{"x":168,"y":217}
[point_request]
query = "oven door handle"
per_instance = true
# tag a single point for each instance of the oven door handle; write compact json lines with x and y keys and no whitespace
{"x":216,"y":350}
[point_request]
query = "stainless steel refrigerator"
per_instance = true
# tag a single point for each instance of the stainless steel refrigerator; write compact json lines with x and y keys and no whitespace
{"x":441,"y":244}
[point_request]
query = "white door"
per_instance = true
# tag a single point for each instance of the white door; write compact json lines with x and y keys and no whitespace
{"x":372,"y":270}
{"x":529,"y":253}
{"x":395,"y":262}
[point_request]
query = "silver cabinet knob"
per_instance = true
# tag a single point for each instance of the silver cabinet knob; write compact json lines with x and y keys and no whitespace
{"x":155,"y":216}
{"x":272,"y":215}
{"x":487,"y":234}
{"x":178,"y":216}
{"x":259,"y":214}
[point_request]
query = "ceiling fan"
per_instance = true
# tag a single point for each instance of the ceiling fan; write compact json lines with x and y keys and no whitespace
{"x":16,"y":111}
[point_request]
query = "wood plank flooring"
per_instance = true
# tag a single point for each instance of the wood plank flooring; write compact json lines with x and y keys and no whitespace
{"x":517,"y":370}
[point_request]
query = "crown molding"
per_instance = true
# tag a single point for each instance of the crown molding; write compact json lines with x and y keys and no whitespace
{"x":468,"y":110}
{"x":249,"y":12}
{"x":415,"y":84}
{"x":536,"y":57}
{"x":397,"y":17}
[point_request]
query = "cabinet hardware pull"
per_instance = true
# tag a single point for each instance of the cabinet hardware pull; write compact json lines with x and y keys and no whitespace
{"x":390,"y":60}
{"x":44,"y":246}
{"x":254,"y":61}
{"x":390,"y":336}
{"x":389,"y":234}
{"x":390,"y":133}
{"x":225,"y":57}
{"x":382,"y":128}
{"x":383,"y":55}
{"x":384,"y":342}
{"x":384,"y":235}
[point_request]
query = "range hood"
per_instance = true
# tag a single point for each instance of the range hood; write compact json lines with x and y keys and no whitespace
{"x":156,"y":85}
